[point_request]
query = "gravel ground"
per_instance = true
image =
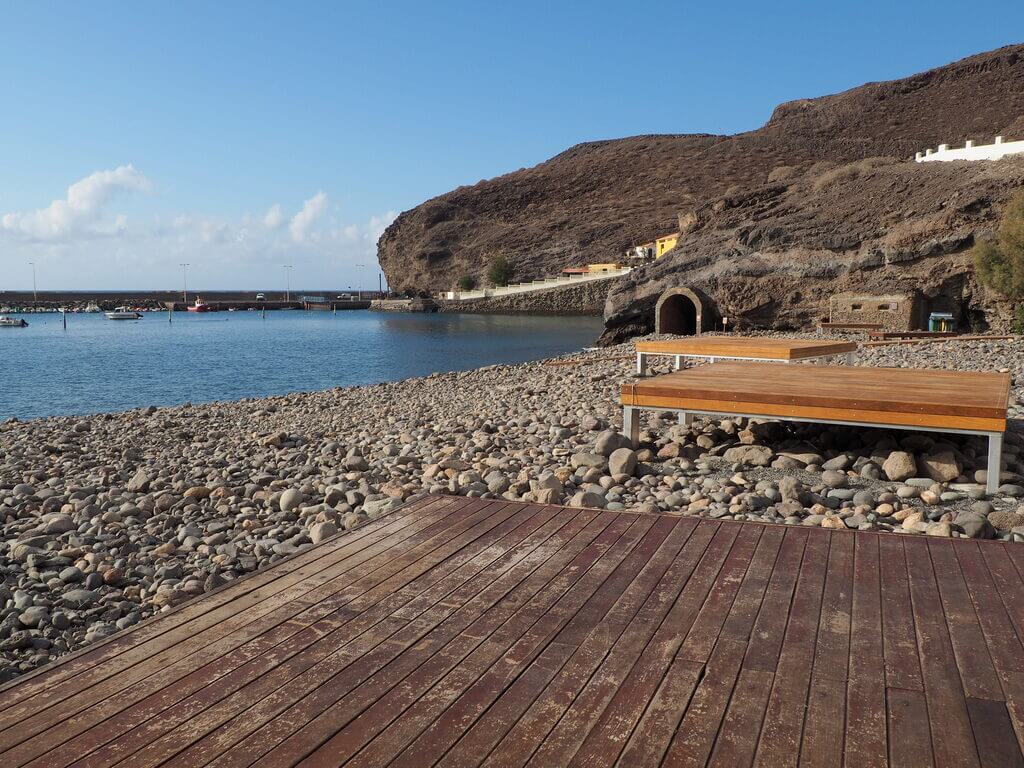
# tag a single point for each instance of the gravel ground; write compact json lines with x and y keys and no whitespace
{"x":108,"y":519}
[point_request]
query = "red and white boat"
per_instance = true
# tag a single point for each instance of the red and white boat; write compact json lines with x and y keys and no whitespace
{"x":200,"y":306}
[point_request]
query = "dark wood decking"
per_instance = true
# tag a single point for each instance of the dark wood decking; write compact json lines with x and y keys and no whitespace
{"x":461,"y":632}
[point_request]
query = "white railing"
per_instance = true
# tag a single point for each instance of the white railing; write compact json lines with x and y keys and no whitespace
{"x":534,"y":285}
{"x":972,"y":151}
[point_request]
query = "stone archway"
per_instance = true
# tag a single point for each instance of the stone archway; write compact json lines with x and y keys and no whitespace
{"x":679,"y":311}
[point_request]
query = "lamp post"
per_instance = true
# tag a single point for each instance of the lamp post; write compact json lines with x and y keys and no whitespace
{"x":184,"y":283}
{"x":359,"y":288}
{"x":288,"y":281}
{"x":35,"y":295}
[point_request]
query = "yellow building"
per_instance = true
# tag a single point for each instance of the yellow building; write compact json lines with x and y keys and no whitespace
{"x":664,"y":244}
{"x":607,"y":267}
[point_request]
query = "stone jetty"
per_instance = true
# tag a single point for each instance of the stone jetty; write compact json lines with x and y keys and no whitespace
{"x":108,"y":519}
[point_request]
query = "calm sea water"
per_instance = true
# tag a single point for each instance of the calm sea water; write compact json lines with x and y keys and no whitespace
{"x":99,"y":365}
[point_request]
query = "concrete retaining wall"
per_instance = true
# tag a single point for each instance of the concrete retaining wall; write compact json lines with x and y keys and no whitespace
{"x":581,"y":299}
{"x":972,"y":151}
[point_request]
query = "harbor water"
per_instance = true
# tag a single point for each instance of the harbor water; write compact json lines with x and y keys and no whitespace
{"x":99,"y":365}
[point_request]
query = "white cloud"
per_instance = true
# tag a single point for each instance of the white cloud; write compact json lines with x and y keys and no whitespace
{"x":82,"y":241}
{"x":80,"y":209}
{"x":378,"y":224}
{"x":302,"y":221}
{"x":274,"y":218}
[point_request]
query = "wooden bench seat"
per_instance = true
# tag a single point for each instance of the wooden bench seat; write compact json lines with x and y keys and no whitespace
{"x":741,"y":348}
{"x":830,"y":326}
{"x":912,"y":334}
{"x":934,"y":400}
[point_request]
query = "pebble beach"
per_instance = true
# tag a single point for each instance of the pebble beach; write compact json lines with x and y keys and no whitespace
{"x":109,"y":519}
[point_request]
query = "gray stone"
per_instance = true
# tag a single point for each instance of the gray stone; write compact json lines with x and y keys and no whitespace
{"x":942,"y":467}
{"x":587,"y":499}
{"x":622,"y":461}
{"x":834,"y":479}
{"x":32,"y":617}
{"x":588,"y":460}
{"x":80,"y":598}
{"x":899,"y":466}
{"x":752,"y":455}
{"x":319,"y":532}
{"x":610,"y":441}
{"x":290,"y":499}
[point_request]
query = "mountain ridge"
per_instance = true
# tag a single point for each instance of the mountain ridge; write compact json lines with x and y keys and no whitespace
{"x":591,"y":201}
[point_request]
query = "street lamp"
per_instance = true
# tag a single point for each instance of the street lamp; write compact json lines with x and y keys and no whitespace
{"x":288,"y":281}
{"x":184,"y":283}
{"x":35,"y":295}
{"x":359,"y":288}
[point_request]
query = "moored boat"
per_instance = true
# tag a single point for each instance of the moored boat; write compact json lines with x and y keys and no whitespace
{"x":200,"y":306}
{"x":12,"y":322}
{"x":123,"y":313}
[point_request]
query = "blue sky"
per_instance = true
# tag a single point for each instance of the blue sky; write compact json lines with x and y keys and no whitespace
{"x":239,"y":136}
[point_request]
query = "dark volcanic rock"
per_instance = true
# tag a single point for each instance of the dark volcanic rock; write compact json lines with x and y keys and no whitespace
{"x":792,"y":199}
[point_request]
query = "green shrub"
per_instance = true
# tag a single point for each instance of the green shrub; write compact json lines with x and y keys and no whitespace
{"x":1018,"y":319}
{"x":500,"y":271}
{"x":467,"y":283}
{"x":999,"y":263}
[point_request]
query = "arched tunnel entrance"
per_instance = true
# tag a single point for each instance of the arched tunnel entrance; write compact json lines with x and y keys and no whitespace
{"x":679,"y":311}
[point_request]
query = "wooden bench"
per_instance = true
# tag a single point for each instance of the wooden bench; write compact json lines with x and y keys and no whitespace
{"x":741,"y":348}
{"x":829,"y":326}
{"x":912,"y":334}
{"x":898,"y":398}
{"x":460,"y":632}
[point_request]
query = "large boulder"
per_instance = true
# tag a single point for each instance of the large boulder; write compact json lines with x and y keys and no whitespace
{"x":622,"y":462}
{"x":588,"y":460}
{"x":753,"y":455}
{"x":899,"y":466}
{"x":610,"y":441}
{"x":942,"y":467}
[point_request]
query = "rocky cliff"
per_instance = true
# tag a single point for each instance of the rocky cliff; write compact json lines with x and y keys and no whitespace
{"x":771,"y":206}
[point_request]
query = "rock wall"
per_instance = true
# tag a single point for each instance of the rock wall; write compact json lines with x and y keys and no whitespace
{"x":774,"y":255}
{"x":582,"y":299}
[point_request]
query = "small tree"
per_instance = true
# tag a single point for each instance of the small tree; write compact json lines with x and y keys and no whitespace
{"x":500,"y":271}
{"x":467,"y":283}
{"x":999,"y":263}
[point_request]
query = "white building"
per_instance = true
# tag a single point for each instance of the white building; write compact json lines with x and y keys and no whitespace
{"x":972,"y":151}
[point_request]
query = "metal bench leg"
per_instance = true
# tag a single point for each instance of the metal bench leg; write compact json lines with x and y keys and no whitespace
{"x":641,"y":363}
{"x":679,"y":362}
{"x":685,"y":418}
{"x":850,"y":358}
{"x":995,"y":460}
{"x":631,"y":424}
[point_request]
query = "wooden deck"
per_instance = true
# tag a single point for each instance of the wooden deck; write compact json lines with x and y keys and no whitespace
{"x":461,"y":632}
{"x":751,"y":347}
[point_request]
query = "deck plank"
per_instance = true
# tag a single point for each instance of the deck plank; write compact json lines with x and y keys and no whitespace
{"x":781,"y":733}
{"x":899,"y":640}
{"x":952,"y":735}
{"x":458,"y":632}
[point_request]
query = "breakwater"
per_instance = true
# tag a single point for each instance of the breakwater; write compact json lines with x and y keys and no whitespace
{"x":43,"y":301}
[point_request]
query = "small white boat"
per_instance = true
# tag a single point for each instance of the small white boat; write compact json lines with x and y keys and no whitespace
{"x":123,"y":313}
{"x":92,"y":307}
{"x":12,"y":322}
